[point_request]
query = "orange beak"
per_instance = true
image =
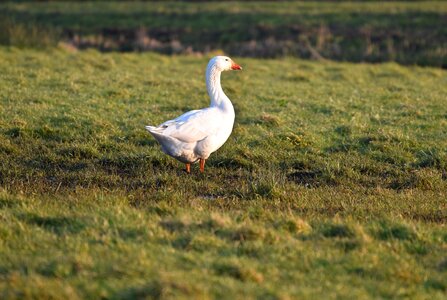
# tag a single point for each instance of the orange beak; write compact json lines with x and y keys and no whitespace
{"x":235,"y":66}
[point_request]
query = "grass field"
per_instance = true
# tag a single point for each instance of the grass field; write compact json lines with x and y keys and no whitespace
{"x":412,"y":32}
{"x":225,"y":15}
{"x":332,"y":185}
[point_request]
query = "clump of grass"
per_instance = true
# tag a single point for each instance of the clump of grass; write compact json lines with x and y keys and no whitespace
{"x":343,"y":130}
{"x":435,"y":284}
{"x":389,"y":231}
{"x":158,"y":288}
{"x":347,"y":237}
{"x":299,"y":139}
{"x":215,"y":222}
{"x":266,"y":184}
{"x":237,"y":271}
{"x":432,"y":158}
{"x":427,"y":179}
{"x":62,"y":267}
{"x":206,"y":243}
{"x":56,"y":224}
{"x":417,"y":247}
{"x":294,"y":225}
{"x":79,"y":151}
{"x":337,"y":231}
{"x":38,"y":287}
{"x":6,"y":146}
{"x":442,"y":266}
{"x":242,"y":233}
{"x":175,"y":224}
{"x":27,"y":35}
{"x":270,"y":120}
{"x":298,"y":76}
{"x":247,"y":233}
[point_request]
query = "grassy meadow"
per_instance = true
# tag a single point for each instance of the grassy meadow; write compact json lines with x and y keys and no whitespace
{"x":412,"y":32}
{"x":333,"y":184}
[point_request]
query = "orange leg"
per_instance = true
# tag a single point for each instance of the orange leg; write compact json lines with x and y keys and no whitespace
{"x":188,"y":168}
{"x":202,"y":165}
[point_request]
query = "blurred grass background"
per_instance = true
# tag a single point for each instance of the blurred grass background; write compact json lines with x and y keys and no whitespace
{"x":406,"y":32}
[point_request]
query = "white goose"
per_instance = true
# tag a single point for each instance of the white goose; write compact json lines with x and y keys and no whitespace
{"x":196,"y":134}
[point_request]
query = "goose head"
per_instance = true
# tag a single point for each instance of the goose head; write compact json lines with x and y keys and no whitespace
{"x":224,"y":63}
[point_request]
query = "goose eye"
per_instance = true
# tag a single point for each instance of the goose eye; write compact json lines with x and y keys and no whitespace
{"x":226,"y":59}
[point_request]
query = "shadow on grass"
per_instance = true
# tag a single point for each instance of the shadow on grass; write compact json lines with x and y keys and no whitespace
{"x":58,"y":225}
{"x":9,"y":203}
{"x":337,"y":231}
{"x":311,"y":174}
{"x":159,"y":289}
{"x":395,"y":232}
{"x":150,"y":290}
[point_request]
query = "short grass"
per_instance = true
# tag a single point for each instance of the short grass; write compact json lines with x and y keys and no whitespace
{"x":332,"y":185}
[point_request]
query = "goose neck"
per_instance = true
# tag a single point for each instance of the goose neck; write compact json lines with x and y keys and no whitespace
{"x":213,"y":86}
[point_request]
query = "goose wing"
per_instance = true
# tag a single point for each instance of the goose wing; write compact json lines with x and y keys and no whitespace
{"x":192,"y":126}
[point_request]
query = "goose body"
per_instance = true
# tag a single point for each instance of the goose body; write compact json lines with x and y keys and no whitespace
{"x":196,"y":134}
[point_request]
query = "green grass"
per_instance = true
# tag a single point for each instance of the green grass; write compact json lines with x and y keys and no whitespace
{"x":332,"y":185}
{"x":407,"y":32}
{"x":89,"y":16}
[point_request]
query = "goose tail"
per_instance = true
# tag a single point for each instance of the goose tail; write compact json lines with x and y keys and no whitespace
{"x":150,"y":128}
{"x":154,"y":129}
{"x":157,"y":133}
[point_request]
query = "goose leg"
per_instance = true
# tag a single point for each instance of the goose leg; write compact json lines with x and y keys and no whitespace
{"x":202,"y":165}
{"x":188,"y":168}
